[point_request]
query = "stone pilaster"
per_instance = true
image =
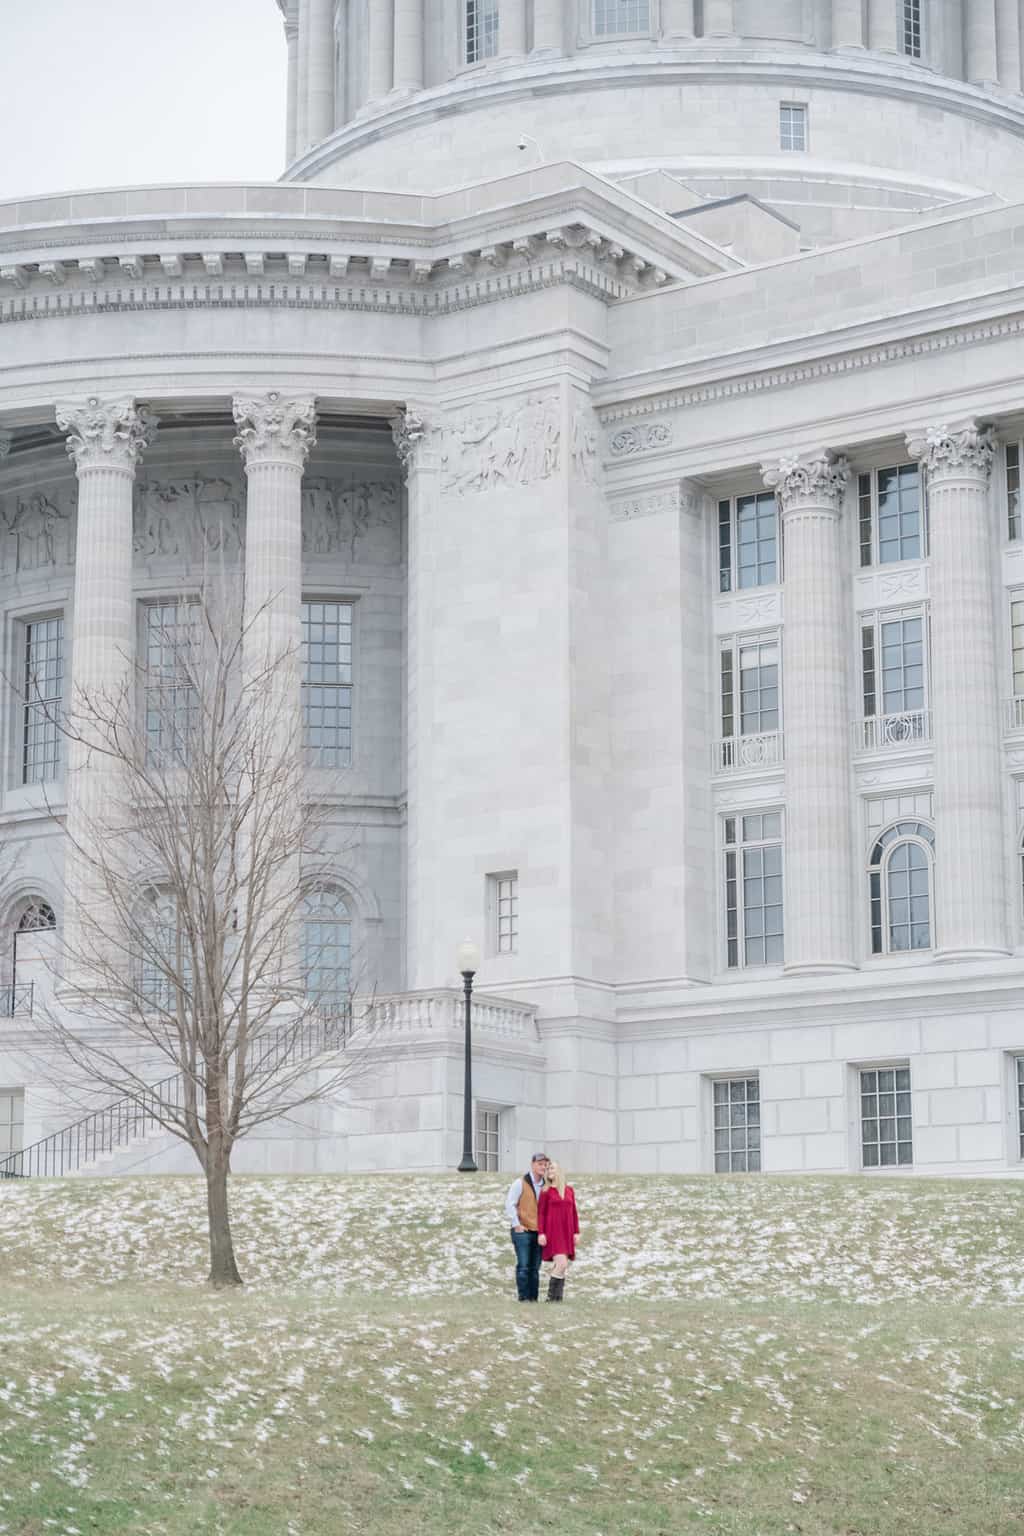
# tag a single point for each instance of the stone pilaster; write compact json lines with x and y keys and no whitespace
{"x":302,"y":79}
{"x":677,"y":20}
{"x":818,"y":854}
{"x":105,"y":439}
{"x":970,"y":896}
{"x":883,"y":36}
{"x":408,"y":72}
{"x":548,"y":26}
{"x":380,"y":18}
{"x":512,"y":29}
{"x":320,"y":83}
{"x":719,"y":20}
{"x":1008,"y":20}
{"x":980,"y":37}
{"x":847,"y":24}
{"x":291,"y":34}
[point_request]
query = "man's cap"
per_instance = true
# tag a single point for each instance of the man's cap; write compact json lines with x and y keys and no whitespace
{"x":540,"y":1157}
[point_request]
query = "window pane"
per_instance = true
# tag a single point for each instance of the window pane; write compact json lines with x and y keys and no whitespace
{"x":1013,"y":490}
{"x":327,"y":682}
{"x":737,"y":1137}
{"x":172,"y":700}
{"x":327,"y":948}
{"x":910,"y":35}
{"x":899,"y":513}
{"x":793,"y":126}
{"x":611,"y":16}
{"x":44,"y":688}
{"x":481,"y":30}
{"x":756,"y":541}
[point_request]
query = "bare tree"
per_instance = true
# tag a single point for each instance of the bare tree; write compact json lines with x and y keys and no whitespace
{"x":183,"y":947}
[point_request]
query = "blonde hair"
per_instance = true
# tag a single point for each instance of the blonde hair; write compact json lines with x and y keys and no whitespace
{"x":556,"y":1175}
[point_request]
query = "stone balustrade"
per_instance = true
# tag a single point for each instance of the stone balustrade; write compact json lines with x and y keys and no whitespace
{"x":442,"y":1012}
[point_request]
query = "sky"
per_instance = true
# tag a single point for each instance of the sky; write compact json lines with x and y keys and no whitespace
{"x":139,"y":91}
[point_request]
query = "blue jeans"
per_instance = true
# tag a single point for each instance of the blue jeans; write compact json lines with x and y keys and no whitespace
{"x":528,"y":1257}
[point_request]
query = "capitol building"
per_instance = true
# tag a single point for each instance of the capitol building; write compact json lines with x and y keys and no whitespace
{"x":629,"y":394}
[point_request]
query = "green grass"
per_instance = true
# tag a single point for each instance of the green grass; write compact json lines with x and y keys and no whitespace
{"x":743,"y":1357}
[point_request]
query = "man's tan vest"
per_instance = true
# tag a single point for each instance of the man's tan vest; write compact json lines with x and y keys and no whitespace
{"x":527,"y":1206}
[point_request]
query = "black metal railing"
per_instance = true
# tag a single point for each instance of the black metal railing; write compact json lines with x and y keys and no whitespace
{"x":136,"y":1115}
{"x":16,"y":1002}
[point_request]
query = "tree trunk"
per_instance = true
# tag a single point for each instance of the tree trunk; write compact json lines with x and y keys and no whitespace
{"x":223,"y":1269}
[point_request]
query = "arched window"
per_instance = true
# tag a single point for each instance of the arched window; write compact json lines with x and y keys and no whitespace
{"x":35,"y":916}
{"x":327,"y":947}
{"x":164,"y":956}
{"x":900,"y":875}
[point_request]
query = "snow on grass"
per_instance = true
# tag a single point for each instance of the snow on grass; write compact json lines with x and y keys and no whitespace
{"x":798,"y":1239}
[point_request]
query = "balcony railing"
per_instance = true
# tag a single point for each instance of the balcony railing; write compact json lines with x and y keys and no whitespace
{"x":16,"y":1002}
{"x":734,"y":754}
{"x":884,"y":733}
{"x":1014,"y":715}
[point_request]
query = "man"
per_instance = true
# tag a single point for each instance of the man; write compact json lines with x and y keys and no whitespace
{"x":521,"y":1215}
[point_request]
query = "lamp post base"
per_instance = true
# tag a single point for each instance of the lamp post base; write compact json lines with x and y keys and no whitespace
{"x":468,"y":1165}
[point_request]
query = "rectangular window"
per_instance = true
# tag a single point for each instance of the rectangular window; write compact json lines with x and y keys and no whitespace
{"x":1017,"y":642}
{"x":172,"y":700}
{"x":886,"y":1124}
{"x":481,"y":30}
{"x":893,"y":666}
{"x":792,"y":126}
{"x":737,"y":1125}
{"x":12,"y":1121}
{"x":1020,"y":1104}
{"x":488,"y":1138}
{"x":1013,"y":490}
{"x":754,"y":927}
{"x":891,"y":507}
{"x":748,"y":542}
{"x":44,"y":690}
{"x":618,"y":16}
{"x":758,"y":688}
{"x":327,"y":682}
{"x":910,"y":32}
{"x":503,"y":912}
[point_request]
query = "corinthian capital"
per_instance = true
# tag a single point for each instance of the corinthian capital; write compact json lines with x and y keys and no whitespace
{"x":106,"y":434}
{"x":968,"y":448}
{"x":275,"y":429}
{"x":412,"y":432}
{"x":817,"y":480}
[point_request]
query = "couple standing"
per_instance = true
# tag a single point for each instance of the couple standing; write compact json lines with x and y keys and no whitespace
{"x":541,"y":1210}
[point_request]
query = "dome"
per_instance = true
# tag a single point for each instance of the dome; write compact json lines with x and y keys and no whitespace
{"x":846,"y":118}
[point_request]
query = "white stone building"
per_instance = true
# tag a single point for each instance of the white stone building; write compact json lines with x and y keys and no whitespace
{"x":677,"y":629}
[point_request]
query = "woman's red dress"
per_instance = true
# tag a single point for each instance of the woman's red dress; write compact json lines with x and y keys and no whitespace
{"x":557,"y":1221}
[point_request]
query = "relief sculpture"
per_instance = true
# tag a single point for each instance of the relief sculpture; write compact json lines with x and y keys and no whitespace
{"x":40,"y":531}
{"x":351,"y":518}
{"x":501,"y":446}
{"x":189,"y":518}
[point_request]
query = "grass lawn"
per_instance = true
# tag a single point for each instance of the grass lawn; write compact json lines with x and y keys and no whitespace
{"x":749,"y":1357}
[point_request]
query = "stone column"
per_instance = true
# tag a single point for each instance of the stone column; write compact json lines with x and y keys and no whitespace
{"x":677,"y":20}
{"x":380,"y":48}
{"x":1008,"y":44}
{"x":718,"y":18}
{"x":847,"y":24}
{"x":980,"y":40}
{"x":291,"y":33}
{"x":408,"y":74}
{"x":818,"y":857}
{"x":321,"y":70}
{"x":548,"y":26}
{"x":302,"y":81}
{"x":105,"y":439}
{"x":970,"y":896}
{"x":512,"y":29}
{"x":884,"y":26}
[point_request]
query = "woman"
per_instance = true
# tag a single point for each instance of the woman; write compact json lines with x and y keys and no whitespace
{"x":557,"y":1226}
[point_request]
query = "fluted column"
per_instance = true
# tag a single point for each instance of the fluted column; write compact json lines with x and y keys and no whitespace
{"x":718,"y":18}
{"x":105,"y":439}
{"x":1008,"y":44}
{"x":409,"y":45}
{"x":512,"y":28}
{"x":321,"y":70}
{"x":677,"y":19}
{"x":380,"y":47}
{"x":847,"y":24}
{"x":884,"y":26}
{"x":818,"y":861}
{"x":548,"y":26}
{"x":291,"y":33}
{"x":970,"y":896}
{"x":302,"y":80}
{"x":980,"y":40}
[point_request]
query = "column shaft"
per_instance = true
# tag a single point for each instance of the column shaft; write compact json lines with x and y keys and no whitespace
{"x":847,"y":24}
{"x":408,"y":45}
{"x":291,"y":32}
{"x":321,"y":70}
{"x":1008,"y":44}
{"x":970,"y":897}
{"x":381,"y":22}
{"x":548,"y":26}
{"x":105,"y":438}
{"x":677,"y":18}
{"x":512,"y":28}
{"x":718,"y":18}
{"x":980,"y":40}
{"x":884,"y":26}
{"x":302,"y":81}
{"x":818,"y":867}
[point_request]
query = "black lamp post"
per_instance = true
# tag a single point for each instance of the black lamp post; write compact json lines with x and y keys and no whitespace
{"x":468,"y":963}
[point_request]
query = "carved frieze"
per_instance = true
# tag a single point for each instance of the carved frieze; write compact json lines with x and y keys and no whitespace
{"x":584,"y":445}
{"x":502,"y":445}
{"x":38,"y":530}
{"x":626,"y":441}
{"x":351,"y":517}
{"x":646,"y":504}
{"x":189,"y":519}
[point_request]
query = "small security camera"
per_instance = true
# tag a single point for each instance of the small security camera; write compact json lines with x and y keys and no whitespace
{"x":521,"y":141}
